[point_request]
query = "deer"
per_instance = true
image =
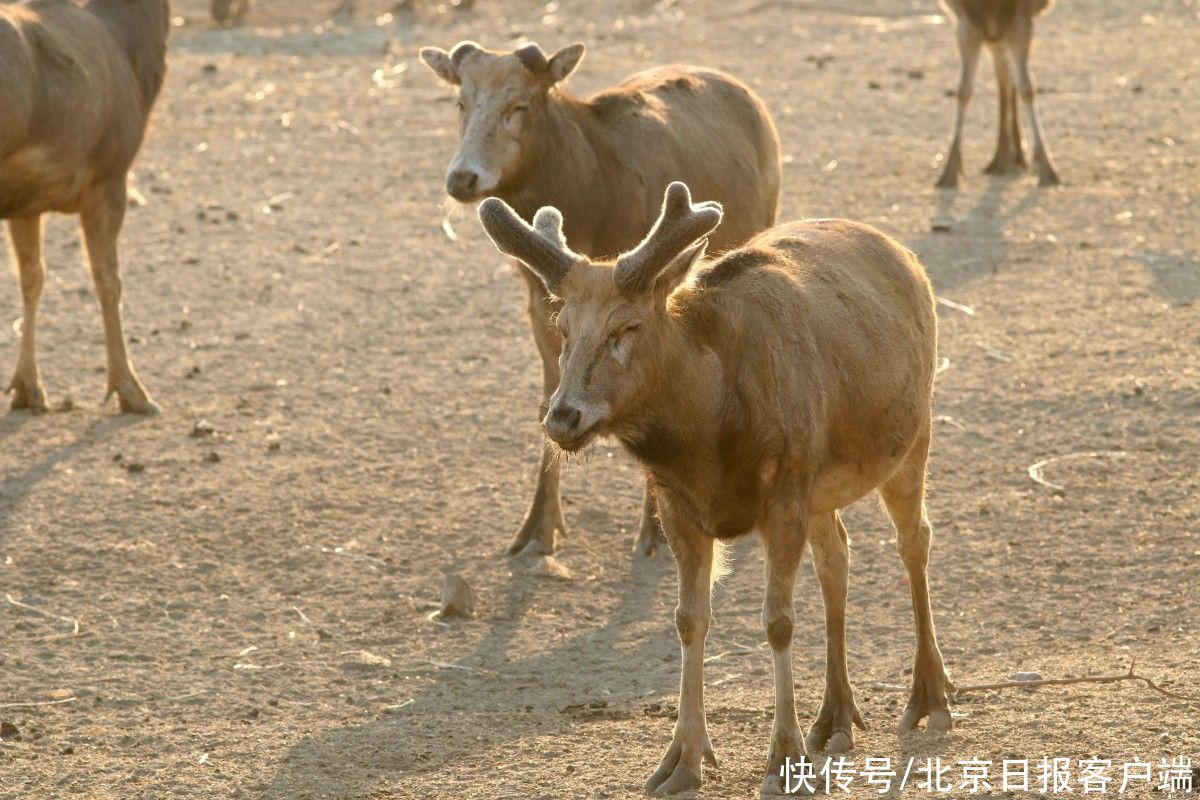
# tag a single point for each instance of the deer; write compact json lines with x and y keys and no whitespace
{"x":1006,"y":26}
{"x":232,"y":12}
{"x":605,"y":161}
{"x":762,"y":392}
{"x":228,"y":12}
{"x":79,"y":84}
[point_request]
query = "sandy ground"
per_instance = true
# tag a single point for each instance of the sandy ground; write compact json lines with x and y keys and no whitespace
{"x":371,"y":389}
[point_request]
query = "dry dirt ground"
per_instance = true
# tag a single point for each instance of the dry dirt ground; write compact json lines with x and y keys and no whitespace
{"x":372,"y":391}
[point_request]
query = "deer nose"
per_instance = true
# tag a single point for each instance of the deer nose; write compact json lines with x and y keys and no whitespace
{"x":462,"y":184}
{"x":563,"y":421}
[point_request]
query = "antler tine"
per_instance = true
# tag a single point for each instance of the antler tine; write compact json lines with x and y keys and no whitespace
{"x":680,"y":224}
{"x":540,"y":247}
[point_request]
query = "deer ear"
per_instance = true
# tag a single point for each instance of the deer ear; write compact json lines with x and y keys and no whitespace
{"x":564,"y":62}
{"x":675,"y":272}
{"x":439,"y":61}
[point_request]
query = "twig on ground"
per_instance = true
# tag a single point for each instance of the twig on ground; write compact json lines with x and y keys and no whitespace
{"x":970,"y":312}
{"x":72,"y":620}
{"x":463,"y":667}
{"x":1129,"y":675}
{"x":39,"y":703}
{"x":1035,"y":470}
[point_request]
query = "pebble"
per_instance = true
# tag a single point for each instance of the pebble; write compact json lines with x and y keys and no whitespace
{"x":458,"y":598}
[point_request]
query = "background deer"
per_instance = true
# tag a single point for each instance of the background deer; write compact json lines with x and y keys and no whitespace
{"x":79,"y":83}
{"x":1006,"y":26}
{"x":229,"y":12}
{"x":788,"y":380}
{"x":605,"y":162}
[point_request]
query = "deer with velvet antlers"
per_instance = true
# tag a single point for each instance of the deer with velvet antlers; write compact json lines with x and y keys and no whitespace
{"x":604,"y":161}
{"x":762,"y":393}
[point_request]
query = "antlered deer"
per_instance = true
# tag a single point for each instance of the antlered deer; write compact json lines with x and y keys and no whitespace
{"x":605,"y":162}
{"x":78,"y":85}
{"x":783,"y":383}
{"x":1006,"y":26}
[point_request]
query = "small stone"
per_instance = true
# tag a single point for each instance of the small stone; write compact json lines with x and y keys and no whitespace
{"x":213,"y":457}
{"x":9,"y":731}
{"x":201,"y":429}
{"x":365,"y":658}
{"x":66,"y":404}
{"x":458,"y":598}
{"x":135,"y":466}
{"x":1026,"y":677}
{"x":66,"y":751}
{"x":941,"y":226}
{"x":274,"y":443}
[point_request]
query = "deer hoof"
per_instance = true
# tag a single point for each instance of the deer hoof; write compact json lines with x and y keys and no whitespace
{"x":28,"y":395}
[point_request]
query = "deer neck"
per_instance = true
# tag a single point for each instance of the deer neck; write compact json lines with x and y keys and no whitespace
{"x":565,"y":173}
{"x":141,"y":28}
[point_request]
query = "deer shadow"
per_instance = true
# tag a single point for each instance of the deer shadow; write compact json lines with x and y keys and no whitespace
{"x":339,"y":761}
{"x":17,"y":485}
{"x":959,"y":248}
{"x":1176,"y":276}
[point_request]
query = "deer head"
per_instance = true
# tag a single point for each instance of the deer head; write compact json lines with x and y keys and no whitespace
{"x":502,"y":100}
{"x":615,"y":322}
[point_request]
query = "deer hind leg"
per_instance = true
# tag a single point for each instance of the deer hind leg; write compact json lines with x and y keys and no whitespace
{"x":681,"y":767}
{"x":784,"y":545}
{"x":969,"y":44}
{"x":102,"y":213}
{"x":904,"y":496}
{"x":832,"y":731}
{"x":26,"y":236}
{"x":1018,"y":44}
{"x":650,"y":536}
{"x":1010,"y":154}
{"x":544,"y":517}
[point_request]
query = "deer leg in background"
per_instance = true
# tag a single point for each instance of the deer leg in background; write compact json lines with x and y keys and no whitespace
{"x":26,"y":385}
{"x":969,"y":45}
{"x":1010,"y":154}
{"x":650,"y":536}
{"x":102,"y":212}
{"x":1019,"y":46}
{"x":544,"y":517}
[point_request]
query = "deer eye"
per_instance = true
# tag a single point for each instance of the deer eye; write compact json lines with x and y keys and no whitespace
{"x":617,"y":339}
{"x":462,"y":106}
{"x":519,"y":108}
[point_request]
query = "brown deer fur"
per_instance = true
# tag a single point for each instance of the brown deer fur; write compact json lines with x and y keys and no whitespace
{"x":76,"y":85}
{"x":604,"y":162}
{"x":785,"y":381}
{"x":1006,"y":27}
{"x":229,"y":12}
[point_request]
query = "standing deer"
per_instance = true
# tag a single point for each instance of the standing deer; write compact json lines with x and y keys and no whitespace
{"x":1007,"y":28}
{"x":229,"y":12}
{"x":605,"y":162}
{"x":783,"y":383}
{"x":78,"y":85}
